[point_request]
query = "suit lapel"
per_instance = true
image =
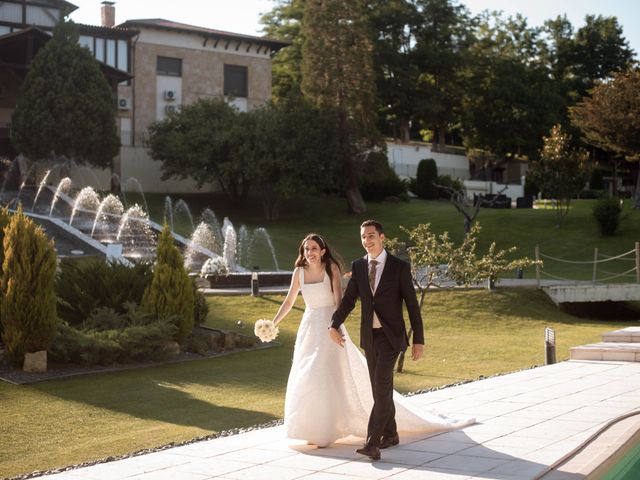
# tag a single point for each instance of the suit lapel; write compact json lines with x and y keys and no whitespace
{"x":386,"y":273}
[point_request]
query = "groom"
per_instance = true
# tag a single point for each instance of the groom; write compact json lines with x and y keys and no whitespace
{"x":381,"y":282}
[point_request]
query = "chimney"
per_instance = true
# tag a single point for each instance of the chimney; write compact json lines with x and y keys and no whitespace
{"x":108,"y":14}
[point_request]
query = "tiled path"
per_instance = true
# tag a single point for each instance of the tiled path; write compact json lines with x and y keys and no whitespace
{"x":526,"y":421}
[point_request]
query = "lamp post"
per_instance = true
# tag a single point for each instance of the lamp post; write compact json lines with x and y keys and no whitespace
{"x":255,"y":288}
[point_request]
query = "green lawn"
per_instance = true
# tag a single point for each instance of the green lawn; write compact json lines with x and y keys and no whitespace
{"x":524,"y":228}
{"x":56,"y":423}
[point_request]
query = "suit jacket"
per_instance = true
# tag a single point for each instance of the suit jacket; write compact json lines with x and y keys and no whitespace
{"x":395,"y":286}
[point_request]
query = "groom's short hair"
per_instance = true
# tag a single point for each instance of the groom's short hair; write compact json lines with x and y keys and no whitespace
{"x":373,"y":223}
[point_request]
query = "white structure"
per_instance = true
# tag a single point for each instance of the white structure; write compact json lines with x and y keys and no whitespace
{"x":405,"y":157}
{"x":481,"y":187}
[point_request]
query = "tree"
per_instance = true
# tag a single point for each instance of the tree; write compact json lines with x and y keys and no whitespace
{"x":28,"y":301}
{"x":170,"y":295}
{"x":560,"y":172}
{"x":284,"y":22}
{"x":65,"y":105}
{"x":610,"y":118}
{"x":291,"y":150}
{"x":337,"y":75}
{"x":436,"y":261}
{"x":442,"y":40}
{"x":203,"y":141}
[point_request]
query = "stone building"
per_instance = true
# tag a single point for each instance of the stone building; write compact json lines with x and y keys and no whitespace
{"x":153,"y":66}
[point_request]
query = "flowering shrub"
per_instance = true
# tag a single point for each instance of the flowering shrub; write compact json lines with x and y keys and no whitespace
{"x":214,"y":266}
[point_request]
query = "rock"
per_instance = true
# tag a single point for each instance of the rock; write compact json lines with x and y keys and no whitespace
{"x":229,"y":340}
{"x":171,"y":348}
{"x":215,"y":340}
{"x":35,"y":362}
{"x":245,"y":341}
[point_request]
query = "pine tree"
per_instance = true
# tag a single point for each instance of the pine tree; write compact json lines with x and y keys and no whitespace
{"x":170,"y":294}
{"x":65,"y":105}
{"x":28,"y":308}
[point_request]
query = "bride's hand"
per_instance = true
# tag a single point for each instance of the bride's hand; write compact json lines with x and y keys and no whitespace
{"x":336,"y":336}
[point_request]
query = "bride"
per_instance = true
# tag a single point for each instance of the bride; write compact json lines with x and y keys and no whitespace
{"x":328,"y":392}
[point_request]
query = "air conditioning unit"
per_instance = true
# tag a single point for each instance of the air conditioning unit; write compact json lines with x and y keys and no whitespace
{"x":170,"y":95}
{"x":171,"y":108}
{"x":124,"y":104}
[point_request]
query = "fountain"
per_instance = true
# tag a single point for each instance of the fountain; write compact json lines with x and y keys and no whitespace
{"x":110,"y":208}
{"x":87,"y":200}
{"x":102,"y":221}
{"x":63,"y":187}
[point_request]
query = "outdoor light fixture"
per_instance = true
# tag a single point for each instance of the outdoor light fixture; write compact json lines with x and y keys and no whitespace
{"x":255,"y":290}
{"x":549,"y":346}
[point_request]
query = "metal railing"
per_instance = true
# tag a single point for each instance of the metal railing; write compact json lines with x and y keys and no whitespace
{"x":599,"y":259}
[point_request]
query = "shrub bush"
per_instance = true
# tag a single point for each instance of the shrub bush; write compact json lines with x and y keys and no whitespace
{"x":424,"y":185}
{"x":380,"y":181}
{"x":134,"y":343}
{"x":607,"y":214}
{"x":83,"y":286}
{"x":28,"y":308}
{"x":170,"y":293}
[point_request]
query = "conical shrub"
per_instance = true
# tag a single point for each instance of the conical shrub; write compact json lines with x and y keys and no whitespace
{"x":170,"y":294}
{"x":5,"y":218}
{"x":28,"y":308}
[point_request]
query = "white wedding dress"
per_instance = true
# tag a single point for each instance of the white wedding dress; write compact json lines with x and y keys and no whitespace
{"x":329,"y":392}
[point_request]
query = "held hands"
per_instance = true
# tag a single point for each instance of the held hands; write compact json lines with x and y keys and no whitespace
{"x":417,"y":351}
{"x":336,"y":336}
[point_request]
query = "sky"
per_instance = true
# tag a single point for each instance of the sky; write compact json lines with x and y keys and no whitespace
{"x":243,"y":16}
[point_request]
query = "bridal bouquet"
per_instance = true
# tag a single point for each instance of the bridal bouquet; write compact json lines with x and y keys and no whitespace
{"x":265,"y":330}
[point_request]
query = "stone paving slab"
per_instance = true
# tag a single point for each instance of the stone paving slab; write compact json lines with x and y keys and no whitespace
{"x":527,"y":421}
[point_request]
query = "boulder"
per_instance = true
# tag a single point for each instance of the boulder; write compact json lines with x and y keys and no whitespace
{"x":35,"y":362}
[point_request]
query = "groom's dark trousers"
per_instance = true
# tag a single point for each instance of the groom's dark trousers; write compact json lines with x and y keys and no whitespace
{"x":382,"y":345}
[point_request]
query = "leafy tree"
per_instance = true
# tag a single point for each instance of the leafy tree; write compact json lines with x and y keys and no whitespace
{"x":28,"y":301}
{"x":441,"y":53}
{"x":560,"y":172}
{"x":170,"y":294}
{"x":284,"y":22}
{"x":337,"y":74}
{"x":424,"y":185}
{"x":610,"y":118}
{"x":436,"y":261}
{"x":65,"y":105}
{"x":511,"y":102}
{"x":599,"y":50}
{"x":291,"y":150}
{"x":203,"y":141}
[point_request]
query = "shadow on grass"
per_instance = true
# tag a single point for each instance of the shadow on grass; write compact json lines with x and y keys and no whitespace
{"x":166,"y":394}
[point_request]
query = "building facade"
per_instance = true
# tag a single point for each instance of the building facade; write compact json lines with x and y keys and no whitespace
{"x":153,"y":66}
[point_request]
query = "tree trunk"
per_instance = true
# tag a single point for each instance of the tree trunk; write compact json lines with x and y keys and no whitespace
{"x":636,"y":194}
{"x":355,"y":202}
{"x":405,"y":134}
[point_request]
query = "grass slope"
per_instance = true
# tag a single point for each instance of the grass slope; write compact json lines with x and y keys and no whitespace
{"x":56,"y":423}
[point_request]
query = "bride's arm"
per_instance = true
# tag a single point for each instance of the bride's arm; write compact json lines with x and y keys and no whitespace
{"x":336,"y":284}
{"x":290,"y":299}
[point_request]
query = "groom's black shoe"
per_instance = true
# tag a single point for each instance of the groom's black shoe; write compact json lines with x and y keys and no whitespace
{"x":390,"y":442}
{"x":370,"y":451}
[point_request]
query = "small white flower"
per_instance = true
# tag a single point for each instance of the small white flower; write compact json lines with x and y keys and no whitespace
{"x":265,"y":330}
{"x":214,"y":266}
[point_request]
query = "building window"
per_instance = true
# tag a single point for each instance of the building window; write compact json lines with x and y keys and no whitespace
{"x":171,"y":67}
{"x":100,"y":49}
{"x":111,"y":53}
{"x":87,"y":42}
{"x":123,"y":61}
{"x":235,"y":81}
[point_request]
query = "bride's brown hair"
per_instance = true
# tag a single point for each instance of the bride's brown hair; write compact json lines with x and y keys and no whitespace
{"x":329,"y":258}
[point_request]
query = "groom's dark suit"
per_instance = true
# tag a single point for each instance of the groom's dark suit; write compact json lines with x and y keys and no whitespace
{"x":382,"y":345}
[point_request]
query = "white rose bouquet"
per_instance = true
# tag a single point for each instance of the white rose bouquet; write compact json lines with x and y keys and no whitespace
{"x":214,"y":266}
{"x":265,"y":330}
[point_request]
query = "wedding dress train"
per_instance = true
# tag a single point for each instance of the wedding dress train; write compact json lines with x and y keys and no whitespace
{"x":329,"y":392}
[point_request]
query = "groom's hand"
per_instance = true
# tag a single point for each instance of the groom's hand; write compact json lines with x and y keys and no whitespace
{"x":417,"y":350}
{"x":336,"y":336}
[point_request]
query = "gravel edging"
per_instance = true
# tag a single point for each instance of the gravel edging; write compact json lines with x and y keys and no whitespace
{"x":230,"y":432}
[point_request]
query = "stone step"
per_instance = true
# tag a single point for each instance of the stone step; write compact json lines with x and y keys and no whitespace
{"x":619,"y":351}
{"x":625,"y":335}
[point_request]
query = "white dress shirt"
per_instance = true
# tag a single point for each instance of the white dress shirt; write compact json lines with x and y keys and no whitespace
{"x":381,"y":259}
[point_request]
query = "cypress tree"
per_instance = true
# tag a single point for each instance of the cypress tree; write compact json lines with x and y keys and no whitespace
{"x":170,"y":294}
{"x":28,"y":308}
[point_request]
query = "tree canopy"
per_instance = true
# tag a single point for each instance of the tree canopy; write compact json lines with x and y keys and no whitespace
{"x":65,"y":105}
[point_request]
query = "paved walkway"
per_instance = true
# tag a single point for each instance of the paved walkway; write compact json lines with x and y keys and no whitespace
{"x":526,"y":421}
